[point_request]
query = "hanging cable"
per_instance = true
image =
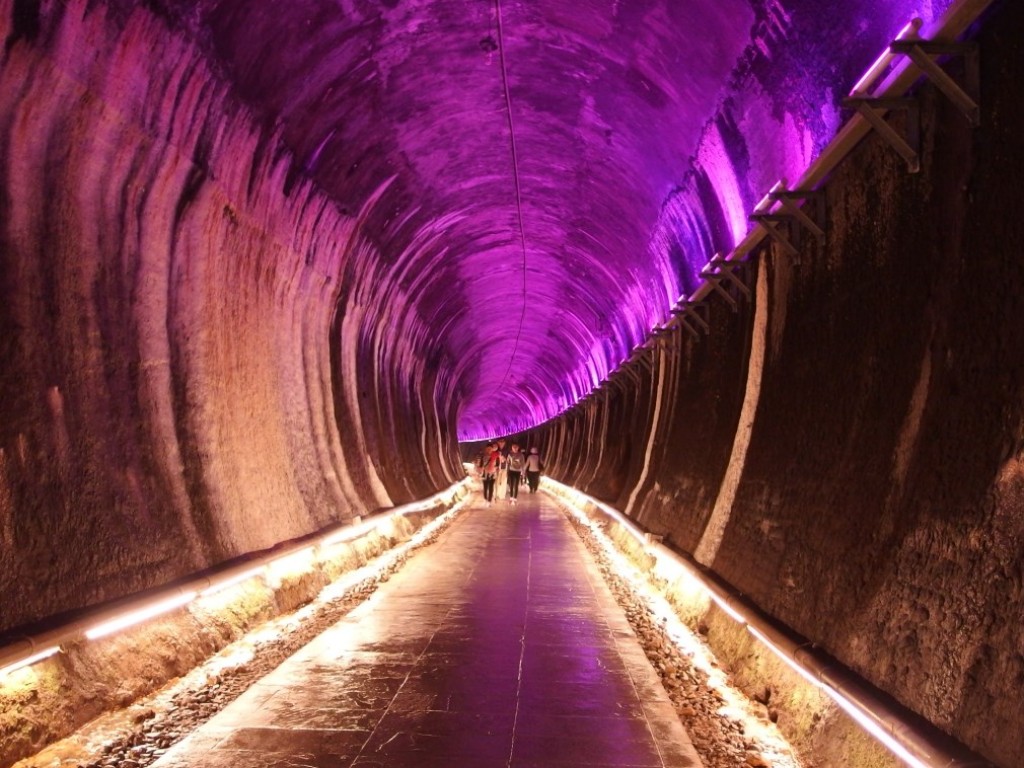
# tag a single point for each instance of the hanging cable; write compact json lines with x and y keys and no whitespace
{"x":516,"y":181}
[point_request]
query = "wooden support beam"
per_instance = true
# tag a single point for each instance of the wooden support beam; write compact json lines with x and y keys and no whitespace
{"x":788,"y":200}
{"x":688,"y":310}
{"x":921,"y":51}
{"x":874,"y":110}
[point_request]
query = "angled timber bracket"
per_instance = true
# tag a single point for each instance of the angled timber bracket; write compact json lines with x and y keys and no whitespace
{"x":670,"y":338}
{"x":873,"y":110}
{"x":633,"y":375}
{"x":720,"y":270}
{"x":658,"y":338}
{"x":647,"y":363}
{"x":680,"y":322}
{"x":611,"y":385}
{"x":792,"y":203}
{"x":799,"y":210}
{"x":693,"y":315}
{"x":921,"y":52}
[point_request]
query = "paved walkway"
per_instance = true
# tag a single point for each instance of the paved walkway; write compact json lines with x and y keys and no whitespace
{"x":499,"y":645}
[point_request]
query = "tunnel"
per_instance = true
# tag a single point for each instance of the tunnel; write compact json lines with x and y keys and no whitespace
{"x":747,"y":272}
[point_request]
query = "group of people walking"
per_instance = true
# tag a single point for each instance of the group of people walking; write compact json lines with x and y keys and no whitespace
{"x":503,"y":470}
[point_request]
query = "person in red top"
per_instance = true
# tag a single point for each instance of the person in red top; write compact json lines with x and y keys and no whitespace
{"x":488,"y":469}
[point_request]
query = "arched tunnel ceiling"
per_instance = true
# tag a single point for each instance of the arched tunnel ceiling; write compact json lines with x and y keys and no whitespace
{"x":544,"y":179}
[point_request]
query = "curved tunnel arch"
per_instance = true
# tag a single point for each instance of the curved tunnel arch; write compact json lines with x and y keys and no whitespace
{"x":247,"y":259}
{"x":274,"y":228}
{"x":607,"y":108}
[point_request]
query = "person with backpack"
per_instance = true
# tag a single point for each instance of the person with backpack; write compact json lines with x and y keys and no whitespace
{"x":534,"y":467}
{"x":515,"y":465}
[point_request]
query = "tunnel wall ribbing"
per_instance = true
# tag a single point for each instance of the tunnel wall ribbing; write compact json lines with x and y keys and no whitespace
{"x":177,"y":388}
{"x":879,"y":505}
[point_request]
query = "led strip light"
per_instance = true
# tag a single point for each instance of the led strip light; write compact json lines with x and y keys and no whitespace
{"x":29,"y":650}
{"x":881,"y":719}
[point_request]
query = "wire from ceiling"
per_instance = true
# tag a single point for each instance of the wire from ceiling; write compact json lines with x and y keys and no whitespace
{"x":518,"y":186}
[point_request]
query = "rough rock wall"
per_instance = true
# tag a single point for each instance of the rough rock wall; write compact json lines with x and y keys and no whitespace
{"x":881,"y":479}
{"x":176,"y":385}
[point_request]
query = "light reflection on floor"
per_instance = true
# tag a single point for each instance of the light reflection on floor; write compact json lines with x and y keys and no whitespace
{"x":497,"y":645}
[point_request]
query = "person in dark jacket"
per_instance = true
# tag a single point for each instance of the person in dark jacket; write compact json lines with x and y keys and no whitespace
{"x":533,"y":469}
{"x":516,"y":466}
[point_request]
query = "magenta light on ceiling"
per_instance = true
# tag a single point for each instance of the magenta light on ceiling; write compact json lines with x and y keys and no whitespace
{"x":540,"y":202}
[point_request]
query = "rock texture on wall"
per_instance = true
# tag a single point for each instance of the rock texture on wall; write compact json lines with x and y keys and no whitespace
{"x":170,"y":396}
{"x":877,"y":506}
{"x":542,"y":182}
{"x":261,"y":266}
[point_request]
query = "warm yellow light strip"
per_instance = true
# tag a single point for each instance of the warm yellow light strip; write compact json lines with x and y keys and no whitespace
{"x":784,"y":657}
{"x":139,"y":615}
{"x":292,"y":563}
{"x":864,"y":717}
{"x":872,"y":726}
{"x":43,"y":654}
{"x":230,"y":582}
{"x":204,"y":586}
{"x":733,"y":613}
{"x":353,"y":531}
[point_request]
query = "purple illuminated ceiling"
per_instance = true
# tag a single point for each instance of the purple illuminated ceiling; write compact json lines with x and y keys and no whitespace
{"x":545,"y":178}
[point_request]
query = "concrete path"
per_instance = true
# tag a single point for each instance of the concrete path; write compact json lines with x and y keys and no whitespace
{"x":499,"y":645}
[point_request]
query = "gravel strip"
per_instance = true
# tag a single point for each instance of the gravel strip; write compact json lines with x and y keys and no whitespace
{"x":721,"y":740}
